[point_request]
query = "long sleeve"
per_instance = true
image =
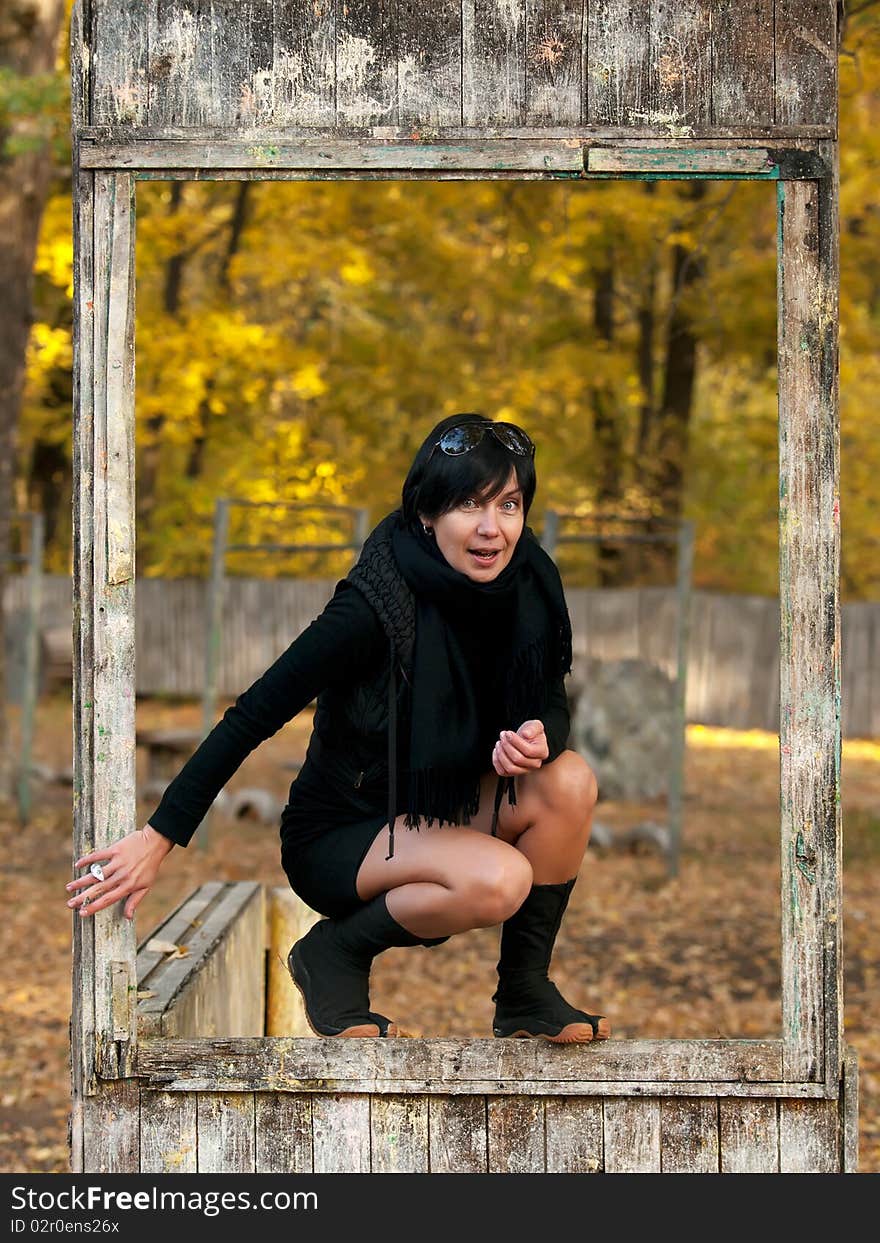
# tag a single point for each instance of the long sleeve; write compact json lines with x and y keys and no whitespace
{"x":557,"y":721}
{"x":338,"y":646}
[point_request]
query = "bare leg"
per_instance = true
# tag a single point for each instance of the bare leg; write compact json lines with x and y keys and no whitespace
{"x":446,"y":880}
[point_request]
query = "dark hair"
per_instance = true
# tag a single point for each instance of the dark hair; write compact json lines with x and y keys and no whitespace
{"x":438,"y":483}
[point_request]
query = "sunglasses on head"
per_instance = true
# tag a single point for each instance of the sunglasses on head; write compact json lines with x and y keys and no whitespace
{"x":461,"y":439}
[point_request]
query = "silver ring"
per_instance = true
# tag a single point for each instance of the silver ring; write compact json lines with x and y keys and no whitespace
{"x":97,"y":871}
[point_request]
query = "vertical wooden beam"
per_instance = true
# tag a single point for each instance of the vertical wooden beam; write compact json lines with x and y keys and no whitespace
{"x":82,"y":1024}
{"x":226,"y":1133}
{"x":457,"y":1139}
{"x":689,"y":1135}
{"x":493,"y":62}
{"x":119,"y":49}
{"x":574,"y":1135}
{"x":742,"y":62}
{"x":631,"y":1135}
{"x":168,"y":1132}
{"x":341,"y":1133}
{"x":284,"y":1133}
{"x":748,"y":1133}
{"x":805,"y":79}
{"x":109,"y":597}
{"x":304,"y":50}
{"x":516,"y":1135}
{"x":618,"y":77}
{"x":111,"y":1128}
{"x":429,"y":63}
{"x":399,"y":1134}
{"x":366,"y":63}
{"x":554,"y":62}
{"x":681,"y":63}
{"x":809,"y":555}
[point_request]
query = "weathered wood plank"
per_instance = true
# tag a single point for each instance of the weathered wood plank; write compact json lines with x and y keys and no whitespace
{"x":810,"y":625}
{"x":631,"y":1136}
{"x":493,"y":62}
{"x":341,"y":1134}
{"x":554,"y":155}
{"x":689,"y":1136}
{"x":618,"y":69}
{"x":790,"y":135}
{"x":681,"y":62}
{"x":805,"y":33}
{"x":82,"y":1027}
{"x":119,"y":70}
{"x":749,"y":1136}
{"x":179,"y":90}
{"x":175,"y":927}
{"x":554,"y":60}
{"x":429,"y":63}
{"x":366,"y":63}
{"x":574,"y":1135}
{"x":742,"y":62}
{"x":168,"y":1132}
{"x":112,"y":604}
{"x":457,"y":1134}
{"x":827,"y":735}
{"x":452,"y":1066}
{"x":809,"y":1137}
{"x":226,"y":1133}
{"x":399,"y":1134}
{"x":849,"y":1111}
{"x":515,"y":1129}
{"x":110,"y":1128}
{"x":304,"y":55}
{"x":643,"y":159}
{"x":284,"y":1133}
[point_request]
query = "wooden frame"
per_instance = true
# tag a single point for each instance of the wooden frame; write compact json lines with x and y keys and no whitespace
{"x":806,"y":1063}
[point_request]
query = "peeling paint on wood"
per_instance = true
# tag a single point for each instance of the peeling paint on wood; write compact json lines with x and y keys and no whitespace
{"x":457,"y":1134}
{"x":226,"y":1133}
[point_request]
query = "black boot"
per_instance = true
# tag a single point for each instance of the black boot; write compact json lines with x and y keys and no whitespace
{"x":527,"y":1003}
{"x":331,"y":964}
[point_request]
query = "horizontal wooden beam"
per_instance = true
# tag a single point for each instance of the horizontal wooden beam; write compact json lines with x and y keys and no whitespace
{"x":631,"y":1067}
{"x":690,"y":161}
{"x":705,"y":135}
{"x":562,"y":155}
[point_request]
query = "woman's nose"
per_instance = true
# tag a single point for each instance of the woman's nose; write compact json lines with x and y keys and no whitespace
{"x":487,"y":524}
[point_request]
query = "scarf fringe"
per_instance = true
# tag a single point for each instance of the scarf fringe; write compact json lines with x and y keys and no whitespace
{"x":441,"y":796}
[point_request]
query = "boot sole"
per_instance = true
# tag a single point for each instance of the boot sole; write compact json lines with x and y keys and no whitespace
{"x":295,"y":962}
{"x":572,"y":1033}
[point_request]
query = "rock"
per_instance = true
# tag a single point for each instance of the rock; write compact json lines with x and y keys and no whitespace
{"x":623,"y":725}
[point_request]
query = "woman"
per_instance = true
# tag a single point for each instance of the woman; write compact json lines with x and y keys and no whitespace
{"x":438,"y":667}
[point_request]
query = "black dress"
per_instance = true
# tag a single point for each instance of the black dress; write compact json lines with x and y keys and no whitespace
{"x":330,"y":820}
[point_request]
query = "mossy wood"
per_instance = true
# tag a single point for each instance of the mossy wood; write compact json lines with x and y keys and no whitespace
{"x":486,"y":89}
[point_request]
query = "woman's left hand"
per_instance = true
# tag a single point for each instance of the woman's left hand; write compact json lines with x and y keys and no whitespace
{"x":520,"y":752}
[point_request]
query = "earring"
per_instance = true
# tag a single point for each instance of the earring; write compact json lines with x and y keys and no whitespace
{"x":427,"y":529}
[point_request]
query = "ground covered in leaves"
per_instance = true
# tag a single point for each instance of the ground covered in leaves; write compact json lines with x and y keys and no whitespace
{"x":695,"y":956}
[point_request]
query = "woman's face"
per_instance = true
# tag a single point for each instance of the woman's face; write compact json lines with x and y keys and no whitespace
{"x":481,"y":526}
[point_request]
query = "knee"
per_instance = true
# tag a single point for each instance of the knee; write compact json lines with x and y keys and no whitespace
{"x":498,"y":888}
{"x":571,"y":783}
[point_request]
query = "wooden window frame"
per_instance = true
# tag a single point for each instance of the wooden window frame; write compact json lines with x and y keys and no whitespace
{"x":806,"y":1061}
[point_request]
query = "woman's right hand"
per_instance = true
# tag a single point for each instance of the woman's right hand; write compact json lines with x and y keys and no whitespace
{"x":128,"y":868}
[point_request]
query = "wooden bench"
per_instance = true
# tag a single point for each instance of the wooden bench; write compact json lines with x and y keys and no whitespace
{"x":166,"y":750}
{"x":231,"y":979}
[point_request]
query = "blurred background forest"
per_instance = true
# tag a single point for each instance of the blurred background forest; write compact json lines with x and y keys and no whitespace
{"x":295,"y":341}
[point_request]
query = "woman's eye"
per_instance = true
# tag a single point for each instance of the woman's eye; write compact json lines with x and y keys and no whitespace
{"x":515,"y":504}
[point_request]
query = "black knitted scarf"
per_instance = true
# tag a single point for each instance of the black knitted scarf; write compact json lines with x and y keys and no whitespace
{"x":486,"y":656}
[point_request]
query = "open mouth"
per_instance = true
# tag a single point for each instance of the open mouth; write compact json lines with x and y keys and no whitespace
{"x":487,"y":557}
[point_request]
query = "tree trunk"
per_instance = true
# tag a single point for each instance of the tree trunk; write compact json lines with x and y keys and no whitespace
{"x":606,"y":426}
{"x":679,"y":376}
{"x":29,"y":31}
